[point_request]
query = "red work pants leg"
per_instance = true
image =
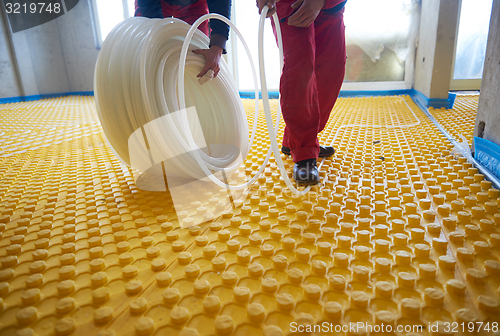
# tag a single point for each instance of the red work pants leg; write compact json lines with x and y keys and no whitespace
{"x":330,"y":61}
{"x":314,"y":63}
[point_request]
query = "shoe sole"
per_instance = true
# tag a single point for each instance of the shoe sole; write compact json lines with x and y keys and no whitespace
{"x":324,"y":156}
{"x":321,"y":156}
{"x":307,"y":182}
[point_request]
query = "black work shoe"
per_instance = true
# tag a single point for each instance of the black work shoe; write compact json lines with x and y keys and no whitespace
{"x":324,"y":151}
{"x":306,"y":172}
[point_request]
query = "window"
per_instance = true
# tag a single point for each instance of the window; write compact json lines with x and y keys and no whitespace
{"x":108,"y":13}
{"x":378,"y":39}
{"x":377,"y":36}
{"x":471,"y":42}
{"x":246,"y":17}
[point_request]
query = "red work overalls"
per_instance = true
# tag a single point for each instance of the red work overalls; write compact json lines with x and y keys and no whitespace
{"x":313,"y":72}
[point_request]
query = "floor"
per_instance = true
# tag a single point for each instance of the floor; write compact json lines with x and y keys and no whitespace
{"x":461,"y":119}
{"x":400,"y":233}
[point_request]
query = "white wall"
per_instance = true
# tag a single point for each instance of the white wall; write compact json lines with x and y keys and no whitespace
{"x":79,"y":46}
{"x":58,"y":56}
{"x":8,"y":84}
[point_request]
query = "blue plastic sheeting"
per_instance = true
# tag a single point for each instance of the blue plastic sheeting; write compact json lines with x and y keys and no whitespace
{"x":9,"y":100}
{"x":417,"y":96}
{"x":375,"y":93}
{"x":251,"y":94}
{"x":275,"y":94}
{"x":425,"y":102}
{"x":488,"y":153}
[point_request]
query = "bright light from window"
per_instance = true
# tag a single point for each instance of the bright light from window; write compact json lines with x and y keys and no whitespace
{"x":110,"y":13}
{"x":247,"y":20}
{"x":375,"y":25}
{"x":131,"y":7}
{"x":472,"y":38}
{"x":377,"y":34}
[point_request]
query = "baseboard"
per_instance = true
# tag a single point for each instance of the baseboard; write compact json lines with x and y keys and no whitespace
{"x":417,"y":96}
{"x":9,"y":100}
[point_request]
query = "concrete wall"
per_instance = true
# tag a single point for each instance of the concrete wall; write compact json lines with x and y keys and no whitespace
{"x":8,"y":79}
{"x":488,"y":111}
{"x":45,"y":56}
{"x":78,"y":46}
{"x":438,"y":30}
{"x":57,"y":56}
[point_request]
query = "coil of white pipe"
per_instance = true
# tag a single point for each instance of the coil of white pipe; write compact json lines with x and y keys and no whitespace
{"x":135,"y":85}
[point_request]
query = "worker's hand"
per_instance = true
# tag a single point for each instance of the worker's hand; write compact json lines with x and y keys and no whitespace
{"x":212,"y":59}
{"x":270,"y":3}
{"x":307,"y":12}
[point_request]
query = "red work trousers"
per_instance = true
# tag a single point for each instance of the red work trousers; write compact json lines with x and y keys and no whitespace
{"x":313,"y":72}
{"x":189,"y":13}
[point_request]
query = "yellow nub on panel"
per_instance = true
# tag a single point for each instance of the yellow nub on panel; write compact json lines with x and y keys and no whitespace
{"x":399,"y":233}
{"x":459,"y":120}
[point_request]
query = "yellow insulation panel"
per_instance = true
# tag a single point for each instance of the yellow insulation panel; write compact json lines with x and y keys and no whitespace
{"x":459,"y":120}
{"x":399,"y":235}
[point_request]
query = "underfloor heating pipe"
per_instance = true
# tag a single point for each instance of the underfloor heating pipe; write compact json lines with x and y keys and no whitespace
{"x":495,"y":181}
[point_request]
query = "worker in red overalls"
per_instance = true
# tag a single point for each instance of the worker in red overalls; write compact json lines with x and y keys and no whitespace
{"x":314,"y":66}
{"x":190,"y":11}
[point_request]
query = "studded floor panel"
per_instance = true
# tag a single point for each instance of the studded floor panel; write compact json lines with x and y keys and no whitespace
{"x":400,"y":238}
{"x":459,"y":120}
